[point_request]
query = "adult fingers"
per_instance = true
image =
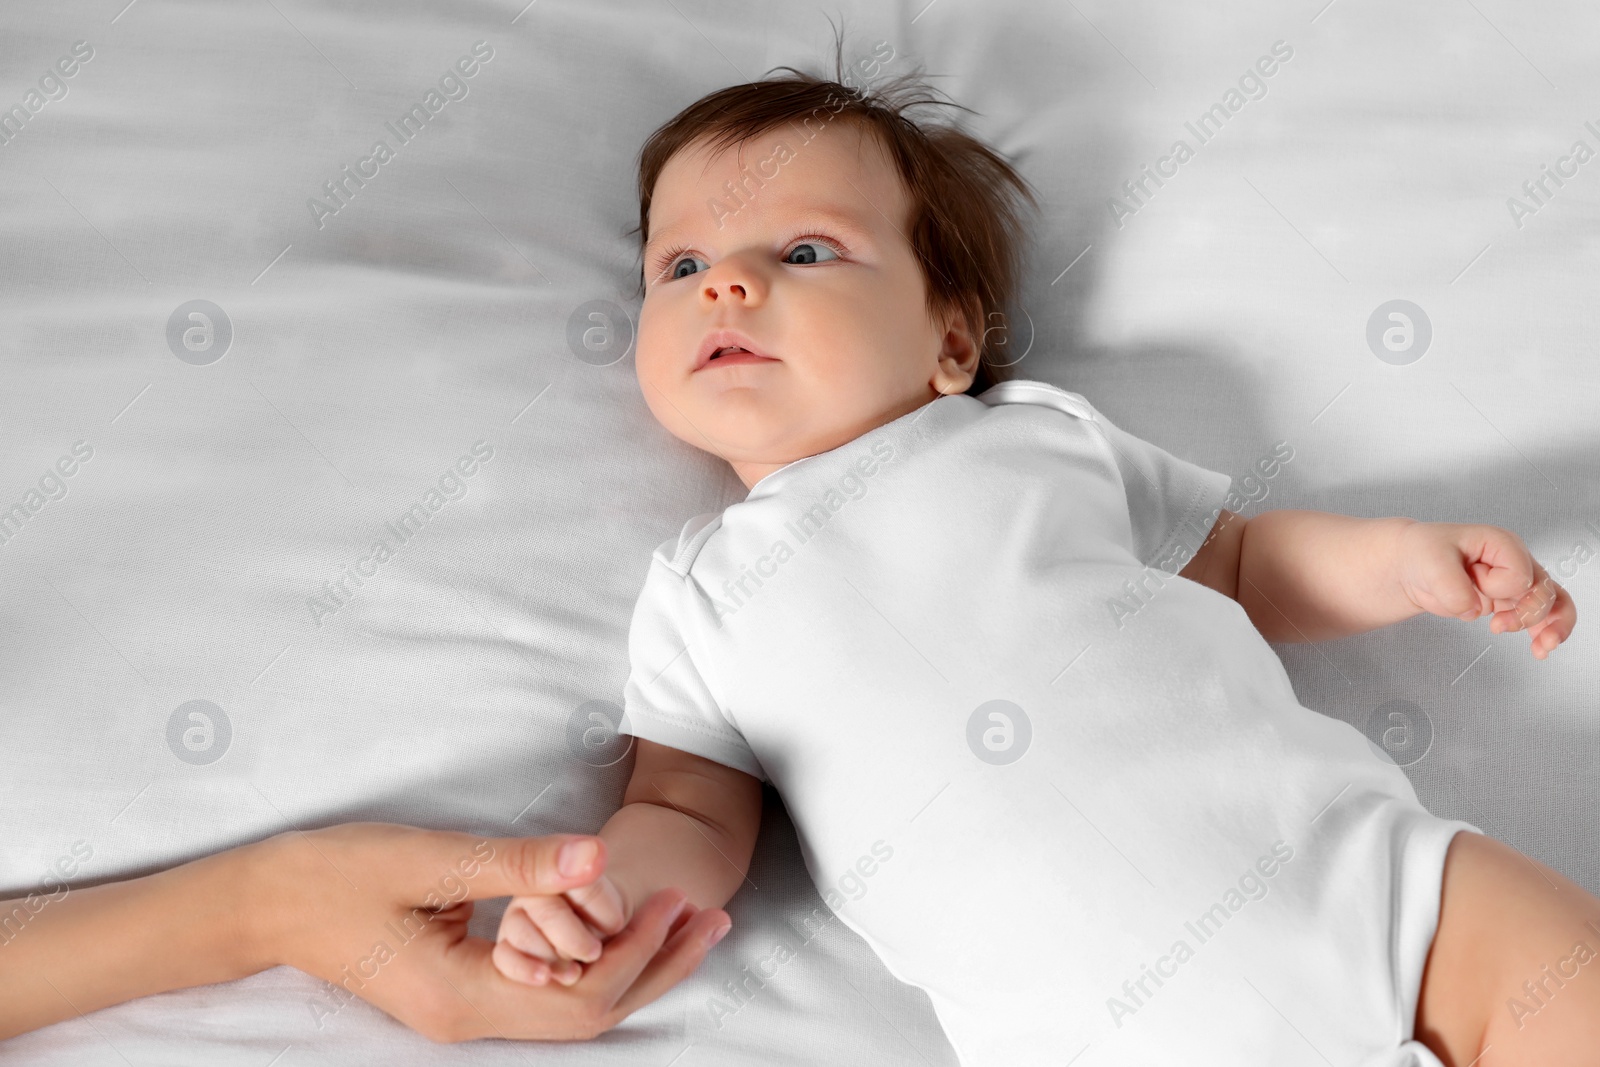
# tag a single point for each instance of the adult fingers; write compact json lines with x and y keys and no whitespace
{"x":536,"y":866}
{"x":656,"y":951}
{"x":691,"y":938}
{"x":477,"y":999}
{"x":438,"y":868}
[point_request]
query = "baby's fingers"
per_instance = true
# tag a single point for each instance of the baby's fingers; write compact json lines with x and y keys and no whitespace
{"x":523,"y":954}
{"x":1529,"y":607}
{"x":530,"y":970}
{"x":600,"y":904}
{"x":1556,"y":626}
{"x":517,"y":928}
{"x":1545,"y":610}
{"x":519,"y":966}
{"x":562,"y":931}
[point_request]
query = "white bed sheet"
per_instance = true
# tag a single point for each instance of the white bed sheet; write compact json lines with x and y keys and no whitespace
{"x":433,"y":312}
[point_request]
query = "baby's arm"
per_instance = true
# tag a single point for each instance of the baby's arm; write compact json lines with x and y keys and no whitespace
{"x":686,"y":822}
{"x":1314,"y":576}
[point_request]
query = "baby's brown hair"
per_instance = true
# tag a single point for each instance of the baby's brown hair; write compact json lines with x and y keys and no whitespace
{"x":966,"y":227}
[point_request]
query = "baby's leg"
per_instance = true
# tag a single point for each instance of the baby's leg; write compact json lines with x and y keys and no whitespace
{"x":1513,"y":976}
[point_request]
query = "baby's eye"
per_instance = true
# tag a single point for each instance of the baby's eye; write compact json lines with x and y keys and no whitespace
{"x":675,"y":273}
{"x":810,"y":247}
{"x":807,"y":249}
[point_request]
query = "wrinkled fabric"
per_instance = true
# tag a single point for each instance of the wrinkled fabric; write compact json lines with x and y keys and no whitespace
{"x":1069,"y":794}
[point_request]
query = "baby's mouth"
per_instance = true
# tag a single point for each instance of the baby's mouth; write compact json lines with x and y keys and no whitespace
{"x":736,"y":355}
{"x":725,"y":347}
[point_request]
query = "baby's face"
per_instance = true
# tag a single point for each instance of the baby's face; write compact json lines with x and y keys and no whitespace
{"x":838,"y":303}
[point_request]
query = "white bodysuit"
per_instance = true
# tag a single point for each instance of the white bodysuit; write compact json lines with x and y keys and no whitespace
{"x":1070,"y":795}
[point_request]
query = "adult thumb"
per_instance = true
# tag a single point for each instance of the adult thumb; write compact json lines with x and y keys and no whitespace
{"x":530,"y":866}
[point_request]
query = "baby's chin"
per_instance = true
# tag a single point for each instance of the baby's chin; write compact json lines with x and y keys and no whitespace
{"x":764,"y":426}
{"x":764,"y":445}
{"x":779,"y":450}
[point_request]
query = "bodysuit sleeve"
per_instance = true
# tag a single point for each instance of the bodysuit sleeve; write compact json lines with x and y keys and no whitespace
{"x":1172,"y":503}
{"x":666,"y":698}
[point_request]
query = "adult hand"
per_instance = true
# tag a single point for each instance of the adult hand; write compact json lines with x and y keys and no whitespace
{"x":381,"y":910}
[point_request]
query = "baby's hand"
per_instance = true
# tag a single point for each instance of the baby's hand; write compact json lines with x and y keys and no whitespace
{"x":1462,"y":570}
{"x":544,"y":937}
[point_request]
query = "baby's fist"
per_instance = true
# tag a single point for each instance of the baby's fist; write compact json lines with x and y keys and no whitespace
{"x":1465,"y":570}
{"x":545,"y":937}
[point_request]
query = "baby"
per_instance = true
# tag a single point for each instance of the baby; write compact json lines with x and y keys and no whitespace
{"x":1091,"y":836}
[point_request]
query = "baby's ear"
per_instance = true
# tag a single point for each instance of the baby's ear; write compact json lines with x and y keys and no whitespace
{"x":967,"y":322}
{"x":968,"y":316}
